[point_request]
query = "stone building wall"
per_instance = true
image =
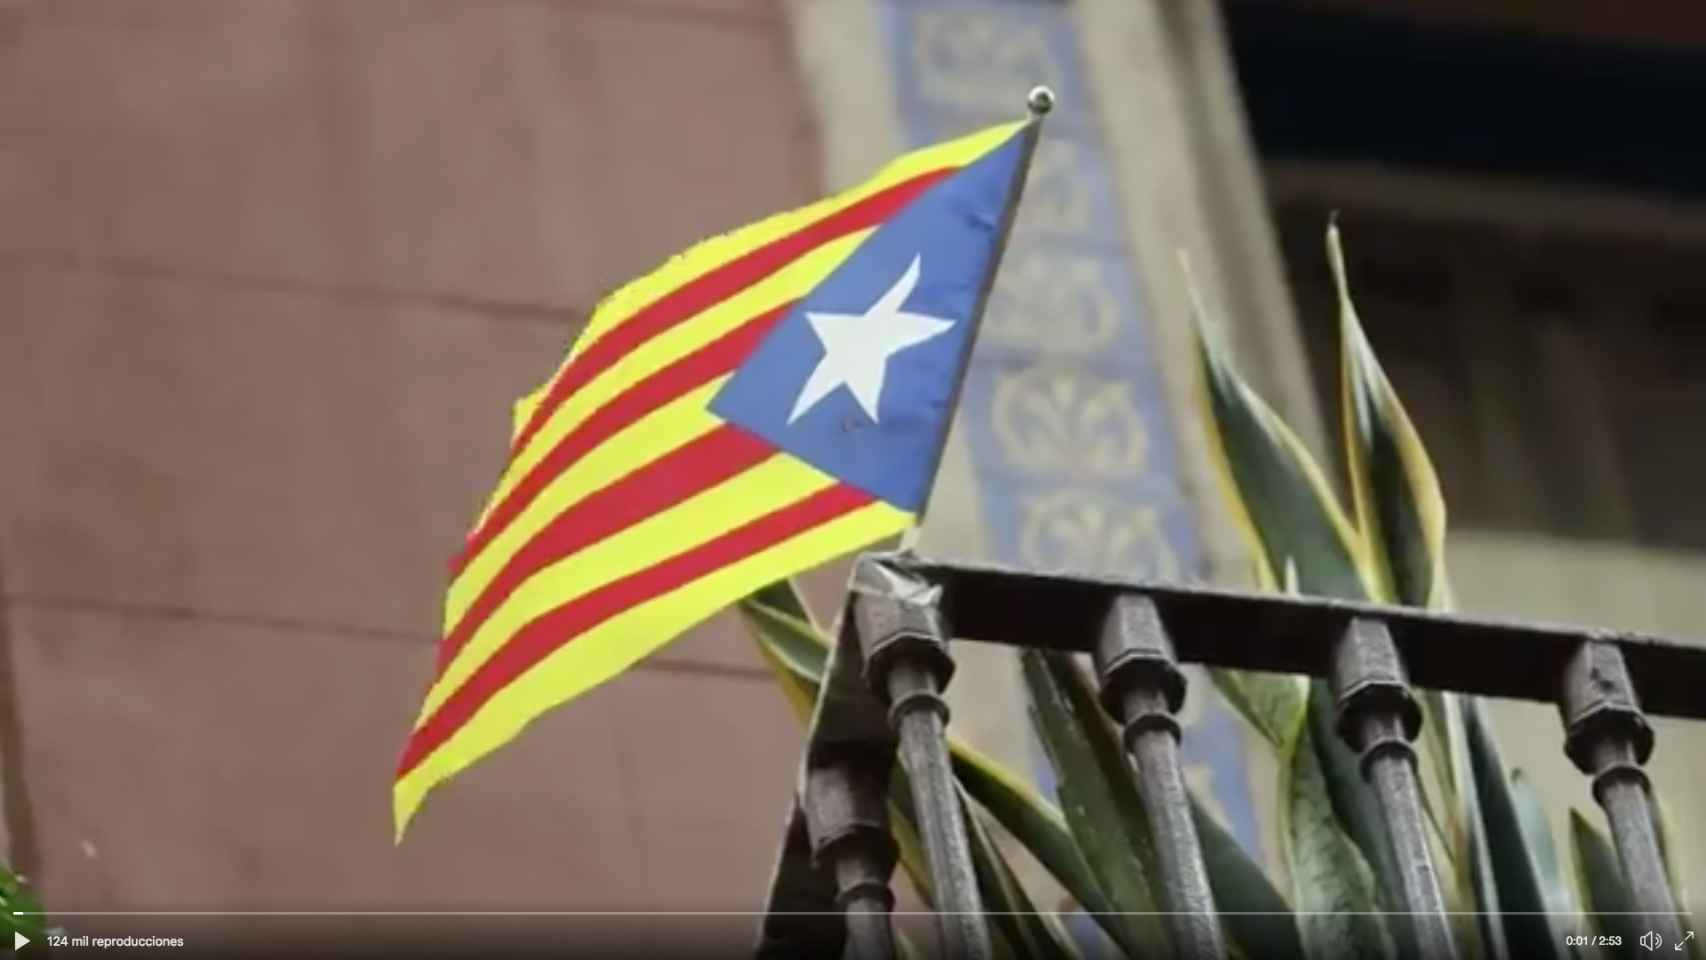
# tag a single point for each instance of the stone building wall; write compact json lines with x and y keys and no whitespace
{"x":271,"y":274}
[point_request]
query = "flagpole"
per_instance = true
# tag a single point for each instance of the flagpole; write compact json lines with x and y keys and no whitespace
{"x":1038,"y":103}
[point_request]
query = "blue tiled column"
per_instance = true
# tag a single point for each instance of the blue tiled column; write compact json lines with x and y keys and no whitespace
{"x":1070,"y":436}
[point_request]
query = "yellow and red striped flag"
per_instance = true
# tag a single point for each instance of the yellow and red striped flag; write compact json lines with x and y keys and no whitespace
{"x":770,"y":399}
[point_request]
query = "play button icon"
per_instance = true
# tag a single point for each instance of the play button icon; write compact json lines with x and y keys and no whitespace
{"x":18,"y":941}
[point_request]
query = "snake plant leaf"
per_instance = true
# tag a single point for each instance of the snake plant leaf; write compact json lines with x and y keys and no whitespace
{"x":1533,"y":897}
{"x":1271,"y":703}
{"x":1599,"y":881}
{"x":798,"y":641}
{"x":1679,"y":893}
{"x":1099,"y":798}
{"x":799,"y":682}
{"x":1334,"y":889}
{"x":1394,"y":490}
{"x":19,"y":908}
{"x":1032,"y":820}
{"x":1257,"y":918}
{"x":1278,"y":496}
{"x":799,"y":651}
{"x":1395,"y":493}
{"x":1030,"y":932}
{"x":1292,"y":521}
{"x":908,"y":844}
{"x":784,"y":596}
{"x":1400,"y":511}
{"x":796,"y":653}
{"x":1354,"y":803}
{"x":1016,"y":928}
{"x":1241,"y":889}
{"x":801,"y":693}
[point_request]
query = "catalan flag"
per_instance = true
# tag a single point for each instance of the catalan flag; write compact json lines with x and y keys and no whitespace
{"x":770,"y":399}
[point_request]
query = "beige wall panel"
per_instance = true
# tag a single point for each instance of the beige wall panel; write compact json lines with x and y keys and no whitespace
{"x":529,"y":153}
{"x":259,"y":455}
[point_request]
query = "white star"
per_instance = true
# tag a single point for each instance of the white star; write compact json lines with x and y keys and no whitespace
{"x":857,"y":346}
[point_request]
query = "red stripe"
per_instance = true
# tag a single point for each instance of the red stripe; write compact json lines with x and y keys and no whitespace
{"x":688,"y":373}
{"x":548,"y":633}
{"x":694,"y":466}
{"x":719,"y":284}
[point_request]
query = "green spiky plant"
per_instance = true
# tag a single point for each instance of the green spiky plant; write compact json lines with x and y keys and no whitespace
{"x":19,"y":911}
{"x":1502,"y":876}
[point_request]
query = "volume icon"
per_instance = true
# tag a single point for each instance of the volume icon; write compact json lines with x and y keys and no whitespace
{"x":1651,"y":940}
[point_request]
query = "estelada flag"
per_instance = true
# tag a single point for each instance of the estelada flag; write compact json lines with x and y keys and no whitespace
{"x":770,"y":399}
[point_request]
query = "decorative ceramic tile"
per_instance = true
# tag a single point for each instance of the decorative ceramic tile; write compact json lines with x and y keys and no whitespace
{"x":1070,"y":435}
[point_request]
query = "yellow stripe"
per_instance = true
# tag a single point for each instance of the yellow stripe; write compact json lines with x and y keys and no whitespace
{"x":524,"y":411}
{"x":779,"y":288}
{"x":706,"y":256}
{"x":647,"y":439}
{"x":711,"y":253}
{"x":779,"y":480}
{"x":617,"y":643}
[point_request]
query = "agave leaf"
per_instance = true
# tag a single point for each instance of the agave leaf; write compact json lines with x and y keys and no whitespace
{"x":1097,"y":795}
{"x":1534,"y":901}
{"x":1257,"y":918}
{"x":1599,"y":881}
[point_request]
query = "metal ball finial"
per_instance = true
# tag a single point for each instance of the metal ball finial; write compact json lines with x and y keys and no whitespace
{"x":1041,"y":101}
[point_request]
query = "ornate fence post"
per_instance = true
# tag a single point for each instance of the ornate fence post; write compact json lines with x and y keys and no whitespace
{"x":1379,"y":718}
{"x":1608,"y":738}
{"x":882,"y":698}
{"x":1143,"y":688}
{"x":846,"y":810}
{"x":907,"y":666}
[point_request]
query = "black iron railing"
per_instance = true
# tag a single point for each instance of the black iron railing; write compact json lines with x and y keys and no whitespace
{"x":881,"y":701}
